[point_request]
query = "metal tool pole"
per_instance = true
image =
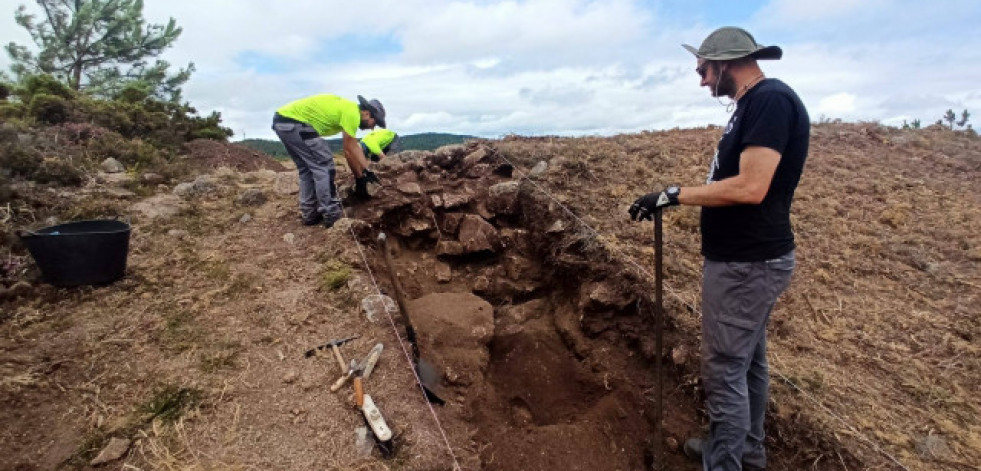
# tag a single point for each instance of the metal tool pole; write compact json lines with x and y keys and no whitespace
{"x":658,"y":339}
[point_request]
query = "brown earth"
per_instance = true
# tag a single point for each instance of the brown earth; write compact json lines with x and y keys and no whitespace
{"x":207,"y":154}
{"x":531,"y":297}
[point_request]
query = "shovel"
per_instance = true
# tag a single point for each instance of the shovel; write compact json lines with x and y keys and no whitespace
{"x":427,"y":373}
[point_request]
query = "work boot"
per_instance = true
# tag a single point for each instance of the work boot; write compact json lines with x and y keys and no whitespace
{"x":693,"y":448}
{"x":314,"y":219}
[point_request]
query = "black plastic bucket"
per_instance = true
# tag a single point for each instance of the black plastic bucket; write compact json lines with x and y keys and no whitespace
{"x":80,"y":253}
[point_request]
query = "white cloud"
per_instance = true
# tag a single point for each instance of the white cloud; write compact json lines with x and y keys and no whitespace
{"x":567,"y":67}
{"x":839,"y":104}
{"x":796,"y":11}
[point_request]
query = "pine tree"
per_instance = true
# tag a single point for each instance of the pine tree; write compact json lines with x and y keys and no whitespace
{"x":99,"y":46}
{"x":949,"y":116}
{"x":964,"y":117}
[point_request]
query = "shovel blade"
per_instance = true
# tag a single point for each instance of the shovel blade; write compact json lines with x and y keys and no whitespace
{"x":431,"y":382}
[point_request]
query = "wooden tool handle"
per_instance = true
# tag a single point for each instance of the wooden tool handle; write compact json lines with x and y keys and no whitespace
{"x":340,"y":359}
{"x":340,"y":382}
{"x":358,"y":391}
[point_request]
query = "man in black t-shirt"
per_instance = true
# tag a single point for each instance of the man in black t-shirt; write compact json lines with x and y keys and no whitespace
{"x":747,"y":240}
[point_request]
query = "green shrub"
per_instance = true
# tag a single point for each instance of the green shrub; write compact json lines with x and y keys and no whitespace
{"x":50,"y":109}
{"x":335,"y":275}
{"x":213,"y":133}
{"x":43,"y":85}
{"x":133,"y":153}
{"x":133,"y":93}
{"x":10,"y":110}
{"x":106,"y":114}
{"x":8,"y":135}
{"x":56,"y":170}
{"x":20,"y":161}
{"x":5,"y":89}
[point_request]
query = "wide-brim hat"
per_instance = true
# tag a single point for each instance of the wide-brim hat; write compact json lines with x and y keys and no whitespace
{"x":729,"y":43}
{"x":375,"y":108}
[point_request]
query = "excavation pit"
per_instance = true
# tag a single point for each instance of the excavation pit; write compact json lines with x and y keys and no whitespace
{"x":543,"y":336}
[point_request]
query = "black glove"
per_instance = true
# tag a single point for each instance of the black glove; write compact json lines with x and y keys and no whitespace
{"x":361,"y":188}
{"x":369,"y":177}
{"x":646,"y":205}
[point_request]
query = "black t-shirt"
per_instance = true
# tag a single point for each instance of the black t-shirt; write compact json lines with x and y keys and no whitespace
{"x":768,"y":115}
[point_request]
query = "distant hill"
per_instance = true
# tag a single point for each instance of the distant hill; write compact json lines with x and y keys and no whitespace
{"x":423,"y":141}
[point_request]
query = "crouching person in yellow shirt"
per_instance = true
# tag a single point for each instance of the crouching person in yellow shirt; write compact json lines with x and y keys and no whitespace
{"x":301,"y":124}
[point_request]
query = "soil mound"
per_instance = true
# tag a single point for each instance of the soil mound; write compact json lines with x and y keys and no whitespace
{"x":207,"y":155}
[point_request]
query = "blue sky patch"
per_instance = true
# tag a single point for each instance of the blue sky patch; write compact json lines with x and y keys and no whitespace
{"x":709,"y":13}
{"x":356,"y":47}
{"x":260,"y":62}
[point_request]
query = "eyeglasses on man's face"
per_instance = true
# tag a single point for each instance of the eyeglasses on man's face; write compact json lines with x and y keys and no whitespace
{"x":703,"y":69}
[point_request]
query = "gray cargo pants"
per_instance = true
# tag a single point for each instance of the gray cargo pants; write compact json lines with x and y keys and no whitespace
{"x":737,"y":298}
{"x":315,"y":165}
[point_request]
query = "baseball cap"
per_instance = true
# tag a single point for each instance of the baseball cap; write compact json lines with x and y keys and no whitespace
{"x":730,"y":42}
{"x":375,"y":108}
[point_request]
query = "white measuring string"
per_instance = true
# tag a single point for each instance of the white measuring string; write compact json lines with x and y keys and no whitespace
{"x":695,"y":310}
{"x":408,"y":358}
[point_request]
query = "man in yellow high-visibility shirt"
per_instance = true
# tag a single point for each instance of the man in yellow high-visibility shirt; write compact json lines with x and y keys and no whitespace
{"x":378,"y":143}
{"x":301,"y":124}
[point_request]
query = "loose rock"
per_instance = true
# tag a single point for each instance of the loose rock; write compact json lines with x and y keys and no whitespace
{"x":252,"y":197}
{"x":111,"y":165}
{"x":184,"y":190}
{"x":601,"y":295}
{"x":376,"y":305}
{"x":151,"y":178}
{"x":286,"y":183}
{"x":476,"y":156}
{"x":502,"y":198}
{"x":449,"y":248}
{"x":115,"y":450}
{"x":478,"y":235}
{"x":444,"y":274}
{"x":933,"y":447}
{"x":410,"y":188}
{"x":456,"y":200}
{"x":158,"y":206}
{"x":539,"y":169}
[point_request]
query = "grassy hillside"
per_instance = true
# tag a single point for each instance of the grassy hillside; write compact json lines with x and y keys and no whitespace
{"x":423,"y":141}
{"x":874,"y":347}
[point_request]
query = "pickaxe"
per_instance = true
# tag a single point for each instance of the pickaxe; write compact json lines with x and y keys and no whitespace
{"x":334,"y":346}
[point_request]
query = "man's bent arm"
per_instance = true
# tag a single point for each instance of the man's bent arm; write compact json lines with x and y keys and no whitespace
{"x":757,"y":165}
{"x":354,"y":155}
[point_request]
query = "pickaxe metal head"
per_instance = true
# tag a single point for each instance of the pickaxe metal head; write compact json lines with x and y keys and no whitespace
{"x":333,"y":343}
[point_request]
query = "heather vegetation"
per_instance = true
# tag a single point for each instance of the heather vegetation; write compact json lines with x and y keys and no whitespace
{"x":52,"y":134}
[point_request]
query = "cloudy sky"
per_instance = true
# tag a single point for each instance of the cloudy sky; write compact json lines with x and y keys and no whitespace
{"x":565,"y":67}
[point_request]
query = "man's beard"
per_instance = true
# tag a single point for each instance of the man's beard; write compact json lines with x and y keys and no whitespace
{"x":726,"y":86}
{"x":364,"y":124}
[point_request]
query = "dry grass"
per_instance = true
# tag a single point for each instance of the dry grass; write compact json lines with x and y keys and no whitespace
{"x":881,"y":323}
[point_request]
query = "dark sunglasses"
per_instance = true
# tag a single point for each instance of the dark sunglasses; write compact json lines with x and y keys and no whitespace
{"x":703,"y":69}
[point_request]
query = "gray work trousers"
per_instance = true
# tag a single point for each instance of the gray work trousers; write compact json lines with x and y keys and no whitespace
{"x":737,"y":298}
{"x":315,"y":166}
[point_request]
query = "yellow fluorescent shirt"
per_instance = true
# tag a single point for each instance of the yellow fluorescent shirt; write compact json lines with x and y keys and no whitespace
{"x":377,"y":140}
{"x":328,"y":114}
